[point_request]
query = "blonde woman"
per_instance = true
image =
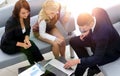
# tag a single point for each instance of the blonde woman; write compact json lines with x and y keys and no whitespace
{"x":46,"y":29}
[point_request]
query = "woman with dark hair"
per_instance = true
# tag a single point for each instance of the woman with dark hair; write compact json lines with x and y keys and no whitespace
{"x":17,"y":31}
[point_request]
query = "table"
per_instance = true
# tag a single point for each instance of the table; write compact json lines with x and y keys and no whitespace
{"x":50,"y":68}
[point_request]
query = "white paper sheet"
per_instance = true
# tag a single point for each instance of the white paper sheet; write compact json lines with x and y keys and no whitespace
{"x":32,"y":71}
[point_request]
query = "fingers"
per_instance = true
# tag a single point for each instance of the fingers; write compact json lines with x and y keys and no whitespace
{"x":71,"y":63}
{"x":59,"y":41}
{"x":27,"y":42}
{"x":26,"y":46}
{"x":82,"y":37}
{"x":67,"y":65}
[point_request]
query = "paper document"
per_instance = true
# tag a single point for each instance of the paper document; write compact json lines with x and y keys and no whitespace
{"x":35,"y":70}
{"x":59,"y":65}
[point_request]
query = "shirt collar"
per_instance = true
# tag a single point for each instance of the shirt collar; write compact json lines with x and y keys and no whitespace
{"x":94,"y":24}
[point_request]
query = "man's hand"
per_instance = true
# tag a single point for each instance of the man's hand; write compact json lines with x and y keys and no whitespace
{"x":83,"y":35}
{"x":71,"y":63}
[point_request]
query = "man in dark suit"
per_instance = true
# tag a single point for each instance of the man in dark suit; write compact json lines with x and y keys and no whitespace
{"x":98,"y":33}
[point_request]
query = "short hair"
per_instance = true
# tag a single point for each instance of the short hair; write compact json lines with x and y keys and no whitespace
{"x":84,"y":18}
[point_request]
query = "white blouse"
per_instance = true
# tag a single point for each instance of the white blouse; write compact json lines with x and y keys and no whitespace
{"x":43,"y":33}
{"x":23,"y":30}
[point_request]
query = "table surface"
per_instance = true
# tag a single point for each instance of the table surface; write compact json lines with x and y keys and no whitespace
{"x":50,"y":68}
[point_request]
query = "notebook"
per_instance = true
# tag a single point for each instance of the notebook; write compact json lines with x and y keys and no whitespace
{"x":57,"y":67}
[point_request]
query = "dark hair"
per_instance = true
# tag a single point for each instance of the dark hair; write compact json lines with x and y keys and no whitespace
{"x":84,"y":19}
{"x":21,"y":4}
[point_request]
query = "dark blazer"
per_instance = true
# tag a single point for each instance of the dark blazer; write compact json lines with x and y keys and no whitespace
{"x":13,"y":34}
{"x":106,"y":40}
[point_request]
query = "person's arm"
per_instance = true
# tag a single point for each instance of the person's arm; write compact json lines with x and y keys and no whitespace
{"x":91,"y":60}
{"x":10,"y":31}
{"x":27,"y":33}
{"x":65,"y":15}
{"x":28,"y":28}
{"x":100,"y":50}
{"x":42,"y":31}
{"x":21,"y":44}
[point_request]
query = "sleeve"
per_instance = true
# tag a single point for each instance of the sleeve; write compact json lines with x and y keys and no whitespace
{"x":28,"y":31}
{"x":9,"y":33}
{"x":66,"y":19}
{"x":27,"y":26}
{"x":42,"y":31}
{"x":100,"y":50}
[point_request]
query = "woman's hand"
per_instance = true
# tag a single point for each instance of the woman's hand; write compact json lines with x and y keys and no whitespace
{"x":25,"y":46}
{"x":59,"y":41}
{"x":21,"y":44}
{"x":71,"y":63}
{"x":27,"y":41}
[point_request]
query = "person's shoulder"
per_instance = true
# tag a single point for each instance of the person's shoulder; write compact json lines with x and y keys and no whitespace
{"x":12,"y":20}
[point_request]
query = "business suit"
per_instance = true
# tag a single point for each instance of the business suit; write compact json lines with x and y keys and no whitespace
{"x":104,"y":41}
{"x":13,"y":34}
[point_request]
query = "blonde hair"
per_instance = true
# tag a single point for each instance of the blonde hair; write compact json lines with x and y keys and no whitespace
{"x":48,"y":5}
{"x":84,"y":18}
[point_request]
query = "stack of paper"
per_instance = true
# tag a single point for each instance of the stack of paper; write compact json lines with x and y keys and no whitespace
{"x":35,"y":70}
